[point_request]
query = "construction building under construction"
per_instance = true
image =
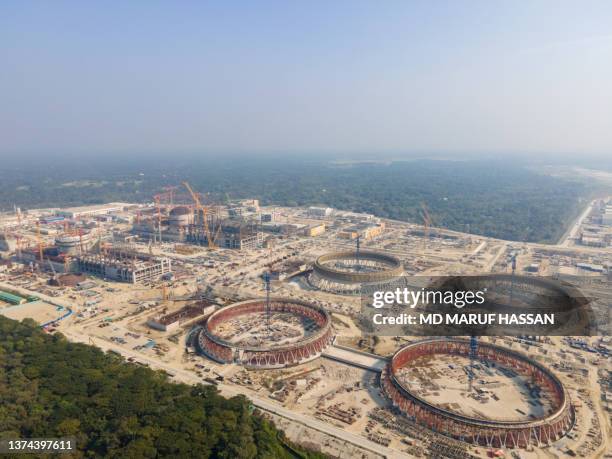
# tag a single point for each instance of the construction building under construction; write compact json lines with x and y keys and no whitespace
{"x":183,"y":224}
{"x":185,"y":315}
{"x":47,"y":259}
{"x":124,"y":267}
{"x":75,"y":242}
{"x":231,"y":235}
{"x":60,"y":256}
{"x":196,"y":223}
{"x":264,"y":335}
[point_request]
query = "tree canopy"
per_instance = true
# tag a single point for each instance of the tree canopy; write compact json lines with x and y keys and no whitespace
{"x":496,"y":199}
{"x":52,"y":388}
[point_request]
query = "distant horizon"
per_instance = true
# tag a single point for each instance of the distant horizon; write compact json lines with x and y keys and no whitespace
{"x":31,"y":159}
{"x":342,"y":78}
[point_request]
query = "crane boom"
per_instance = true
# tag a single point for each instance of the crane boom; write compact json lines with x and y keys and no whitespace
{"x":39,"y":240}
{"x":426,"y":224}
{"x":210,"y":237}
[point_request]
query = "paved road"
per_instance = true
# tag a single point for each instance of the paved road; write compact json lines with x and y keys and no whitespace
{"x":356,"y":359}
{"x":572,"y":231}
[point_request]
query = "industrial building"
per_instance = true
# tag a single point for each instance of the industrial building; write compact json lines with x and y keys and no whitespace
{"x":320,"y":212}
{"x":314,"y":230}
{"x":52,"y":260}
{"x":74,"y":243}
{"x":134,"y":269}
{"x":89,"y":211}
{"x":11,"y":298}
{"x":184,"y":224}
{"x":282,"y":228}
{"x":7,"y":243}
{"x":364,"y":231}
{"x":269,"y":217}
{"x":243,"y":208}
{"x":232,"y":235}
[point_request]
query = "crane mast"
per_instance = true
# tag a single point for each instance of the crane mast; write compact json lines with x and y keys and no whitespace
{"x":211,"y":238}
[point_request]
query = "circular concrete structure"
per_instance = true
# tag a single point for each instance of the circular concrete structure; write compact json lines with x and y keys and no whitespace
{"x":268,"y":354}
{"x":72,"y":244}
{"x":486,"y":432}
{"x":180,"y":216}
{"x":352,"y":273}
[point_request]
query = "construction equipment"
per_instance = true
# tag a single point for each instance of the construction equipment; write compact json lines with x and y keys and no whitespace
{"x":169,"y":192}
{"x":164,"y":292}
{"x":211,"y":236}
{"x":39,"y":241}
{"x":159,"y":217}
{"x":18,"y":213}
{"x":426,"y":223}
{"x":268,"y":306}
{"x":55,"y":276}
{"x":18,"y":245}
{"x":82,"y":251}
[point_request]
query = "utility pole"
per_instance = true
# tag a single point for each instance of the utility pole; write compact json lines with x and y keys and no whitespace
{"x":39,"y":240}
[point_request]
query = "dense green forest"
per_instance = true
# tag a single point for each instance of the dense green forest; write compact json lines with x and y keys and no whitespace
{"x":492,"y":198}
{"x":52,"y":388}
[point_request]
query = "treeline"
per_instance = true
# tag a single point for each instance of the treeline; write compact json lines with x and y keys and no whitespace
{"x":493,"y":199}
{"x":50,"y":387}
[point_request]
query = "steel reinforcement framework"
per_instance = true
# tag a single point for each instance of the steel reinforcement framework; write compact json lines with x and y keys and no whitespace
{"x":271,"y":356}
{"x":339,"y":281}
{"x":393,"y":267}
{"x":485,"y":432}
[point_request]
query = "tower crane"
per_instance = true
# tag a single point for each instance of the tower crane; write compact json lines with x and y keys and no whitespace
{"x":18,"y":213}
{"x":170,"y":193}
{"x":426,"y":224}
{"x":268,"y":307}
{"x":159,"y":219}
{"x":210,"y":235}
{"x":39,"y":241}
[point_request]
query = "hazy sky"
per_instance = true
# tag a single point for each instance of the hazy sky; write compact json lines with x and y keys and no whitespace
{"x":287,"y":76}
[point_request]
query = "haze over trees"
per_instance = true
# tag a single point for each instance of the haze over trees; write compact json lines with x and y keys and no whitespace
{"x":490,"y":198}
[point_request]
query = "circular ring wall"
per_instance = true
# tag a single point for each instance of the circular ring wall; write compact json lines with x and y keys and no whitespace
{"x":352,"y":273}
{"x":268,"y":354}
{"x":486,"y":432}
